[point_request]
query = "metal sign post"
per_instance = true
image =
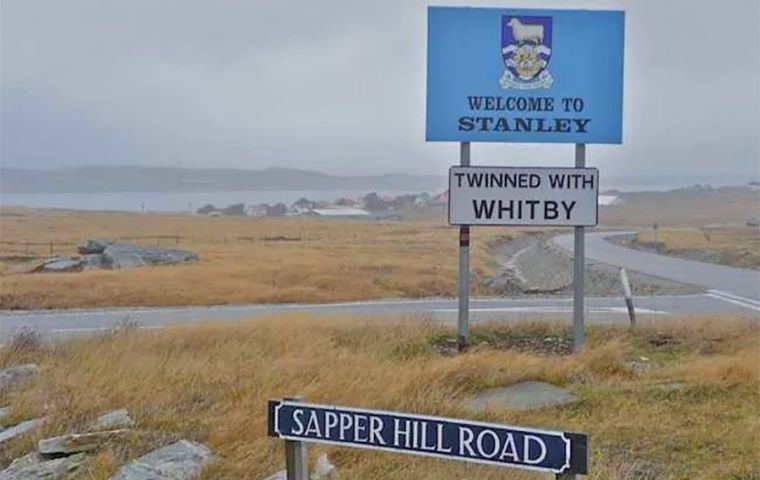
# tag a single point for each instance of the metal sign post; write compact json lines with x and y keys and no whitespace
{"x":463,"y":322}
{"x":579,"y":257}
{"x":296,"y":454}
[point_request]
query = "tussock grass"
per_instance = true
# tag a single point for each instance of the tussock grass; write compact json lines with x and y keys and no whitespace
{"x":736,"y":246}
{"x":335,"y":260}
{"x":211,"y":383}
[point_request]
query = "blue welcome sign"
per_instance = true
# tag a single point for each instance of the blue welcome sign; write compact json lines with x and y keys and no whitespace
{"x":454,"y":439}
{"x":525,"y":75}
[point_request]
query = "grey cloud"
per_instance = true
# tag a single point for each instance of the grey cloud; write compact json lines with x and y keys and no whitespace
{"x":338,"y":85}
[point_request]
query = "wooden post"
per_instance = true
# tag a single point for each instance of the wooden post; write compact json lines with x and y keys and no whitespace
{"x":296,"y":455}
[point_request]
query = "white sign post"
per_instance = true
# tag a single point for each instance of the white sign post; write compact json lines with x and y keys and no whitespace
{"x":523,"y":196}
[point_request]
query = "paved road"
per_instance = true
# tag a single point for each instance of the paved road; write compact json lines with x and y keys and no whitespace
{"x":729,"y":291}
{"x":56,"y":324}
{"x":731,"y":284}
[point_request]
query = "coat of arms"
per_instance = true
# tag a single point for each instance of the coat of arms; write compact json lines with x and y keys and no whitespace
{"x":526,"y":48}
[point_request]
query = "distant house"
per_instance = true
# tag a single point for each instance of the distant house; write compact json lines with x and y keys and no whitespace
{"x":256,"y":210}
{"x":609,"y":200}
{"x":346,"y":202}
{"x":279,"y":210}
{"x":441,"y":199}
{"x":422,"y":199}
{"x":339,"y":212}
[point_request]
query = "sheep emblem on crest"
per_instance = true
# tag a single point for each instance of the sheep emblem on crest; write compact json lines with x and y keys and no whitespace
{"x":526,"y":49}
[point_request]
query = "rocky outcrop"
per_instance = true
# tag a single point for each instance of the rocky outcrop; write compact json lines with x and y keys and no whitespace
{"x":323,"y":469}
{"x":13,"y":376}
{"x":93,"y":246}
{"x":107,"y":254}
{"x":183,"y":460}
{"x":35,"y":467}
{"x":124,"y":255}
{"x":522,"y":396}
{"x":112,"y":420}
{"x":19,"y":429}
{"x":79,"y":442}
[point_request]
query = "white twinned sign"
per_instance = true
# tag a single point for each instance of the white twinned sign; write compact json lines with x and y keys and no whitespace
{"x":523,"y":196}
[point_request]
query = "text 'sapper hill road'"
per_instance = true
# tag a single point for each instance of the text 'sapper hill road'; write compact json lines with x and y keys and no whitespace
{"x":739,"y":282}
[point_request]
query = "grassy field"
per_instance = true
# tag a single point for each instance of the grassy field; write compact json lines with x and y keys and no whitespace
{"x":211,"y":384}
{"x":331,"y":260}
{"x":683,"y":208}
{"x":736,"y":246}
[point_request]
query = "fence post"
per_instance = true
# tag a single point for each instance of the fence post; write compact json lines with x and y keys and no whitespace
{"x":296,"y":455}
{"x":51,"y":247}
{"x":628,"y":296}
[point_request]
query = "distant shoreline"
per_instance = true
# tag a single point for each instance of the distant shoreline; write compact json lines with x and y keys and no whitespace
{"x":178,"y":202}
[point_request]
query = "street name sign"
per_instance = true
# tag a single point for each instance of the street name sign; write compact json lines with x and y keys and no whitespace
{"x":454,"y":439}
{"x":526,"y":196}
{"x":524,"y":75}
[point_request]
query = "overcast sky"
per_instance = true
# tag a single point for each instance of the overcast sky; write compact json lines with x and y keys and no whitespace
{"x":338,"y":86}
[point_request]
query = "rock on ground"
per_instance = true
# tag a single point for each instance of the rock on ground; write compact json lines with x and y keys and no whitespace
{"x":323,"y":469}
{"x":19,"y":429}
{"x":93,"y":246}
{"x":78,"y":442}
{"x":93,"y":261}
{"x":63,"y":265}
{"x":16,"y":375}
{"x":125,"y":255}
{"x":34,"y":467}
{"x":112,"y":420}
{"x":522,"y":396}
{"x":183,"y":460}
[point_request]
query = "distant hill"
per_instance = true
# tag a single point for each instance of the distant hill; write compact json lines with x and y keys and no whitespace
{"x":170,"y":179}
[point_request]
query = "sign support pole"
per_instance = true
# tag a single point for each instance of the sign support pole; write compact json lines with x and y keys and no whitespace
{"x":296,"y":455}
{"x":463,"y":322}
{"x":579,"y":257}
{"x":566,"y":476}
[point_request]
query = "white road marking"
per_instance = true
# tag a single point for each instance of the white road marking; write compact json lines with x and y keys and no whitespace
{"x":552,"y":310}
{"x":735,"y":299}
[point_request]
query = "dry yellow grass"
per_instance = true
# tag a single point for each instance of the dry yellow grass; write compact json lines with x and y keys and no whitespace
{"x":335,"y":260}
{"x":737,"y":246}
{"x":211,"y":383}
{"x":690,"y":208}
